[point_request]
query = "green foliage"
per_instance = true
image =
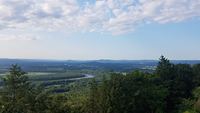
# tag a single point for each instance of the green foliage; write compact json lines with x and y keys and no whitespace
{"x":93,"y":101}
{"x":19,"y":96}
{"x":178,"y":79}
{"x":172,"y":88}
{"x":196,"y":94}
{"x":133,"y":93}
{"x":196,"y":71}
{"x":183,"y":81}
{"x":165,"y":69}
{"x":15,"y":92}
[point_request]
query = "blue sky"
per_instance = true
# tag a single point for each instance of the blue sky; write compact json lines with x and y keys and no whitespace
{"x":106,"y":29}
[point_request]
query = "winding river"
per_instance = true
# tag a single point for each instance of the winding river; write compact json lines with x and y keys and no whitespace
{"x":85,"y":77}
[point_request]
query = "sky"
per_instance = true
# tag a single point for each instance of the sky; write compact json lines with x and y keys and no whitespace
{"x":101,"y":29}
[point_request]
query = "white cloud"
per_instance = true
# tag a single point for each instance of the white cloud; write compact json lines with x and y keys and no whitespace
{"x":24,"y":37}
{"x":114,"y":16}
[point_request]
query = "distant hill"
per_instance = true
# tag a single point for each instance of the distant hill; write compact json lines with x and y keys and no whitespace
{"x":61,"y":65}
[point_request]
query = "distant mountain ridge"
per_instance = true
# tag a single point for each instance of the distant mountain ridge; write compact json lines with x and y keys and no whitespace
{"x":62,"y":65}
{"x":6,"y":60}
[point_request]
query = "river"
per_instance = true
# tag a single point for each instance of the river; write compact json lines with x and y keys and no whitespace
{"x":85,"y":77}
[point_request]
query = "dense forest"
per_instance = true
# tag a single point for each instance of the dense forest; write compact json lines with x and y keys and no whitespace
{"x":171,"y":88}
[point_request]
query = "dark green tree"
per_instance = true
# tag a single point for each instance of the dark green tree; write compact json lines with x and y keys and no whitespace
{"x":132,"y":93}
{"x":104,"y":95}
{"x":93,"y":101}
{"x":165,"y":69}
{"x":18,"y":95}
{"x":183,"y":82}
{"x":115,"y":96}
{"x":196,"y":71}
{"x":178,"y":79}
{"x":15,"y":91}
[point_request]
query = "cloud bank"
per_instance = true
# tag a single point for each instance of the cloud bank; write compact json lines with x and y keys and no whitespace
{"x":113,"y":16}
{"x":24,"y":37}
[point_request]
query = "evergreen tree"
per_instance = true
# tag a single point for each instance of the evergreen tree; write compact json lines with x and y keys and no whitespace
{"x":15,"y":91}
{"x":18,"y":95}
{"x":183,"y":83}
{"x":93,"y":104}
{"x":166,"y":71}
{"x":104,"y":96}
{"x":178,"y":79}
{"x":196,"y":71}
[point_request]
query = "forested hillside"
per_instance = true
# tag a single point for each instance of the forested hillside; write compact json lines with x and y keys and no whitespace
{"x":171,"y":88}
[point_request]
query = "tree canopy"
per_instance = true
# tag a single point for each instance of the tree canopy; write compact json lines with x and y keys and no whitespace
{"x":171,"y":88}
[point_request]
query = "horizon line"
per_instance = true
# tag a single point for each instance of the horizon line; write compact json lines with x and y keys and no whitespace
{"x":51,"y":59}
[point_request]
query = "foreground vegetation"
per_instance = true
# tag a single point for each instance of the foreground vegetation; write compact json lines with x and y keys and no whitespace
{"x":170,"y":89}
